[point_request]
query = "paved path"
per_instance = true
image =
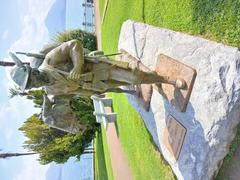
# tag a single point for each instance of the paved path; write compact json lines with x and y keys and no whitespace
{"x":121,"y":170}
{"x":97,"y":24}
{"x":119,"y":162}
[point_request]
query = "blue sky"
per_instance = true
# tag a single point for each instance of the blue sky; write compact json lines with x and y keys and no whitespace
{"x":23,"y":28}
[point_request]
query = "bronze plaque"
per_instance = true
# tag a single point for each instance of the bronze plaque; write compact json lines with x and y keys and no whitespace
{"x":170,"y":67}
{"x":173,"y":136}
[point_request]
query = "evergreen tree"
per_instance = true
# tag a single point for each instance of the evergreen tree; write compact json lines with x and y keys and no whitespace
{"x":55,"y":145}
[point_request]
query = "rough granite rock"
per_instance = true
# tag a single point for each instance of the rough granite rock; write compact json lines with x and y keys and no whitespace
{"x":213,"y":111}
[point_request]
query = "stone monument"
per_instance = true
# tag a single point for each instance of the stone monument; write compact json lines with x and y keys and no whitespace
{"x":207,"y":124}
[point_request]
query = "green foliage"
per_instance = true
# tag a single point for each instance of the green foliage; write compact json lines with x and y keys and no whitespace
{"x":52,"y":144}
{"x":215,"y":20}
{"x":36,"y":96}
{"x":83,"y":107}
{"x":143,"y":157}
{"x":55,"y":145}
{"x":38,"y":133}
{"x":103,"y":168}
{"x":13,"y":92}
{"x":87,"y":39}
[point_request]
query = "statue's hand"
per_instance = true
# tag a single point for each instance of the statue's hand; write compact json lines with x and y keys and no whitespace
{"x":74,"y":74}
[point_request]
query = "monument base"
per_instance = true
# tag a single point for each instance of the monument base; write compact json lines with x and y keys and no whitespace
{"x":212,"y":112}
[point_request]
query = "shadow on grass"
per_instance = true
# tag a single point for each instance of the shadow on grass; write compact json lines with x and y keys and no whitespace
{"x":203,"y":13}
{"x":218,"y":20}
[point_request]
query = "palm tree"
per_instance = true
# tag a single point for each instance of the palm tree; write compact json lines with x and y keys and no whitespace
{"x":16,"y":92}
{"x":7,"y":155}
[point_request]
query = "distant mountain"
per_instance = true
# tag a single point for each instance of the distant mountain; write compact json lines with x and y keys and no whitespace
{"x":56,"y":18}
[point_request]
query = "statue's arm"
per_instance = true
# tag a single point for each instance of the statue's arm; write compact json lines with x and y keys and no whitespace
{"x":71,"y":50}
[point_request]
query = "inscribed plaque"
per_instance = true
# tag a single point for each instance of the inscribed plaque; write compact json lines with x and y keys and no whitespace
{"x":173,"y":136}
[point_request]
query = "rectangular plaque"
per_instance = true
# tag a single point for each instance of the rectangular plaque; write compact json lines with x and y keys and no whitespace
{"x":173,"y":136}
{"x":167,"y":66}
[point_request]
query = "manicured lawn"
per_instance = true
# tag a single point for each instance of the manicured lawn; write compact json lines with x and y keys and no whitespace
{"x":143,"y":157}
{"x":103,"y":167}
{"x":99,"y":160}
{"x":215,"y":20}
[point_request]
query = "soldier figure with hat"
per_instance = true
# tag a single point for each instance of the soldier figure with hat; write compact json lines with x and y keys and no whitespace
{"x":65,"y":70}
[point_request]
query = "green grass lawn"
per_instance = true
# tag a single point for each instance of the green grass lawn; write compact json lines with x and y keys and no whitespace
{"x":215,"y":20}
{"x":103,"y":168}
{"x":143,"y":157}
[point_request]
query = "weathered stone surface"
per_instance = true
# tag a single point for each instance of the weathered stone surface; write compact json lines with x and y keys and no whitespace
{"x":214,"y":107}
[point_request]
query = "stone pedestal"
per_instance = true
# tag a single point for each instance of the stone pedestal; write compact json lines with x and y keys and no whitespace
{"x":213,"y":110}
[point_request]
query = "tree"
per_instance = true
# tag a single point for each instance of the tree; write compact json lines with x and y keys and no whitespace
{"x":16,"y":92}
{"x":35,"y":95}
{"x":55,"y":145}
{"x":83,"y":107}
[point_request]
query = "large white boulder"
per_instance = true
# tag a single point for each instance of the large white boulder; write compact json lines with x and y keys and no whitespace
{"x":213,"y":111}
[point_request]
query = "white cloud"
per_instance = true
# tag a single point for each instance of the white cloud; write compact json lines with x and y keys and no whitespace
{"x":5,"y":34}
{"x":12,"y":115}
{"x":8,"y":134}
{"x":32,"y":170}
{"x":34,"y":32}
{"x":33,"y":35}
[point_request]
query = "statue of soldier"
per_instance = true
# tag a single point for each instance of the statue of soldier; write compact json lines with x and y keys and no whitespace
{"x":66,"y":71}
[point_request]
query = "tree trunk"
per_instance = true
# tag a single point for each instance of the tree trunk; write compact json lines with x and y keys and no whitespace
{"x":6,"y":155}
{"x":88,"y":152}
{"x":23,"y":94}
{"x":4,"y":63}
